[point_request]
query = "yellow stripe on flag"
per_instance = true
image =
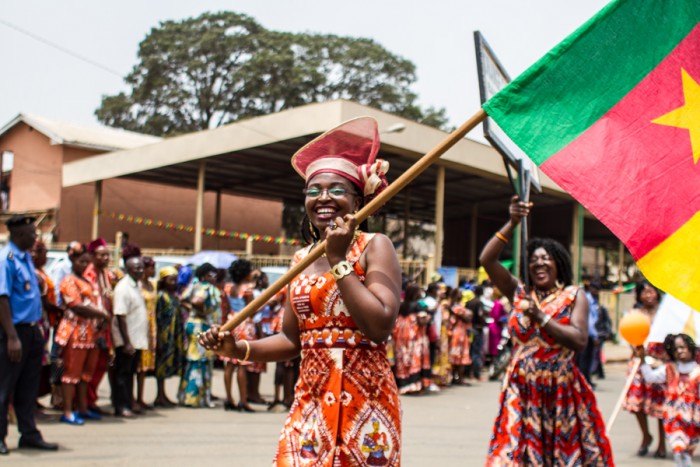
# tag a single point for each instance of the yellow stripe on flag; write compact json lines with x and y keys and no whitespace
{"x":673,"y":266}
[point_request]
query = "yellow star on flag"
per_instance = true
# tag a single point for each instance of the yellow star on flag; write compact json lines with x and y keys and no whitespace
{"x":687,"y":116}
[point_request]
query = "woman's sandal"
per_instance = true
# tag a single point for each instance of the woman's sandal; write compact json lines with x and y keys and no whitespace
{"x":245,"y":408}
{"x":644,"y":449}
{"x":660,"y":454}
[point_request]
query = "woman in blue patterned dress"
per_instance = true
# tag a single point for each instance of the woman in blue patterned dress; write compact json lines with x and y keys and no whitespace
{"x":170,"y":346}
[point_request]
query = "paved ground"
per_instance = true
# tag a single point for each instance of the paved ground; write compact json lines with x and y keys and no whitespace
{"x":451,"y":428}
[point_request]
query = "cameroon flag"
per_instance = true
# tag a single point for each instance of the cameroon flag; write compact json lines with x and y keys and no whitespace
{"x":612,"y":115}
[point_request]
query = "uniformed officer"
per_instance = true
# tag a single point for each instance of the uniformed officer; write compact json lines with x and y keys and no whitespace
{"x":21,"y":342}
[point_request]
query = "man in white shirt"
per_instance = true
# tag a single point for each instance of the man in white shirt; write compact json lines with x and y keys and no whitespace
{"x":130,"y":335}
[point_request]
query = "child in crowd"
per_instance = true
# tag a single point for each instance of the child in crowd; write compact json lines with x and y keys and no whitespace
{"x":682,"y":406}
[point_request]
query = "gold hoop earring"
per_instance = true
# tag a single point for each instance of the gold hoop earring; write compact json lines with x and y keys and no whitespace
{"x":559,"y":284}
{"x":314,"y":235}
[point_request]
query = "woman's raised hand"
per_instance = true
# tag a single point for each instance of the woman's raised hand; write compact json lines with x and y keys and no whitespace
{"x":518,"y":209}
{"x":221,"y":342}
{"x":339,"y":235}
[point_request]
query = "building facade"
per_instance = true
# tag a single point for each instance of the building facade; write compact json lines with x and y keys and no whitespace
{"x":39,"y":147}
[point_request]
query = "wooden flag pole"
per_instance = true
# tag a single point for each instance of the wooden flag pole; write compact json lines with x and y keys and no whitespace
{"x":618,"y":406}
{"x":405,"y":178}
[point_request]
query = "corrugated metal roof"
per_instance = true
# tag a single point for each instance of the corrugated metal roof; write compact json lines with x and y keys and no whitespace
{"x":98,"y":137}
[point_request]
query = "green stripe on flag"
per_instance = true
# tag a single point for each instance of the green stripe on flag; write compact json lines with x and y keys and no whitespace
{"x":584,"y":76}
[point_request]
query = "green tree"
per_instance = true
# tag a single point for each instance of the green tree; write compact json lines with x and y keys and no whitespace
{"x":203,"y":72}
{"x":189,"y":76}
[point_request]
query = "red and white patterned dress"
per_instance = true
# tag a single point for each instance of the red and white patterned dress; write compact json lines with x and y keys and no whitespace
{"x":346,"y":409}
{"x":411,"y":353}
{"x":682,"y":405}
{"x":548,"y":414}
{"x":459,"y":336}
{"x":646,"y":397}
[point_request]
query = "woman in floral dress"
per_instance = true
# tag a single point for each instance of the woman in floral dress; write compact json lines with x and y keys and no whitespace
{"x":76,"y":335}
{"x":460,"y":327}
{"x":548,"y":413}
{"x":238,"y":294}
{"x":340,"y":311}
{"x":170,"y":345}
{"x":411,"y":346}
{"x":205,"y":298}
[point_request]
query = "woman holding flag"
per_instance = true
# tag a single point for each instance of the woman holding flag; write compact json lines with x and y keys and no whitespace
{"x":548,"y":414}
{"x":340,"y":312}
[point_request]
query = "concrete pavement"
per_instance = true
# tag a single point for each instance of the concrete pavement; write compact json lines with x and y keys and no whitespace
{"x":450,"y":428}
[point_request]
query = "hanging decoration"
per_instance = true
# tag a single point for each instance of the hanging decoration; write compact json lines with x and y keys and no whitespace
{"x":221,"y":233}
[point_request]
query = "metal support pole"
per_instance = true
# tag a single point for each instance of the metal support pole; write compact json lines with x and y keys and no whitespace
{"x":439,"y":214}
{"x":217,"y":218}
{"x":577,"y":244}
{"x":473,"y":259}
{"x":516,"y":239}
{"x":97,"y":207}
{"x":620,"y":267}
{"x":406,"y":213}
{"x":199,"y":215}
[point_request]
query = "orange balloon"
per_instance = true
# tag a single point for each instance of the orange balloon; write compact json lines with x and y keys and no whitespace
{"x":634,"y":327}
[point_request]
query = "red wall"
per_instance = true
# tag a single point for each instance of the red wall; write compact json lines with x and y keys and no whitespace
{"x":36,"y":176}
{"x":36,"y":185}
{"x":169,"y":204}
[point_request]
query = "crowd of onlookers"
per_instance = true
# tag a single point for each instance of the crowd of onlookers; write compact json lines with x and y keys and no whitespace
{"x":137,"y":322}
{"x":134,"y":322}
{"x":140,"y":323}
{"x":446,"y":335}
{"x":459,"y":335}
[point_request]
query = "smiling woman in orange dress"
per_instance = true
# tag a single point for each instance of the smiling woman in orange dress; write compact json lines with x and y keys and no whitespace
{"x":340,"y":312}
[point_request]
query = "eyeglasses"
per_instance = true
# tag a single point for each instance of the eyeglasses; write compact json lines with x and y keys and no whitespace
{"x":335,"y":192}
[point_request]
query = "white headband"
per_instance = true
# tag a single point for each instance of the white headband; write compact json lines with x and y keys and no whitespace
{"x":333,"y":163}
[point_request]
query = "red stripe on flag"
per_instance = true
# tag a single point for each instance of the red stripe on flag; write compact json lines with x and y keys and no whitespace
{"x":638,"y":177}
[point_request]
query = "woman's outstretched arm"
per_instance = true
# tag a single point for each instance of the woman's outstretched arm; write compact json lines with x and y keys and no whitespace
{"x":499,"y":275}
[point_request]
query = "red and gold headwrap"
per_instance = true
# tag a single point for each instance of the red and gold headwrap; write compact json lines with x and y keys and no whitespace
{"x":349,"y":150}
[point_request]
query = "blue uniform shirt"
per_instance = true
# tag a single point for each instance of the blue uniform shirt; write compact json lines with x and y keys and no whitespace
{"x":593,"y":313}
{"x":19,"y":283}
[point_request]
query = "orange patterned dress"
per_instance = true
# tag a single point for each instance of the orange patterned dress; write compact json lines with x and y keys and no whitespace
{"x":346,"y":410}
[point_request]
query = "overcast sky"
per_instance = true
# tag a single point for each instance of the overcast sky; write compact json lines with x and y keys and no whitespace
{"x":435,"y":35}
